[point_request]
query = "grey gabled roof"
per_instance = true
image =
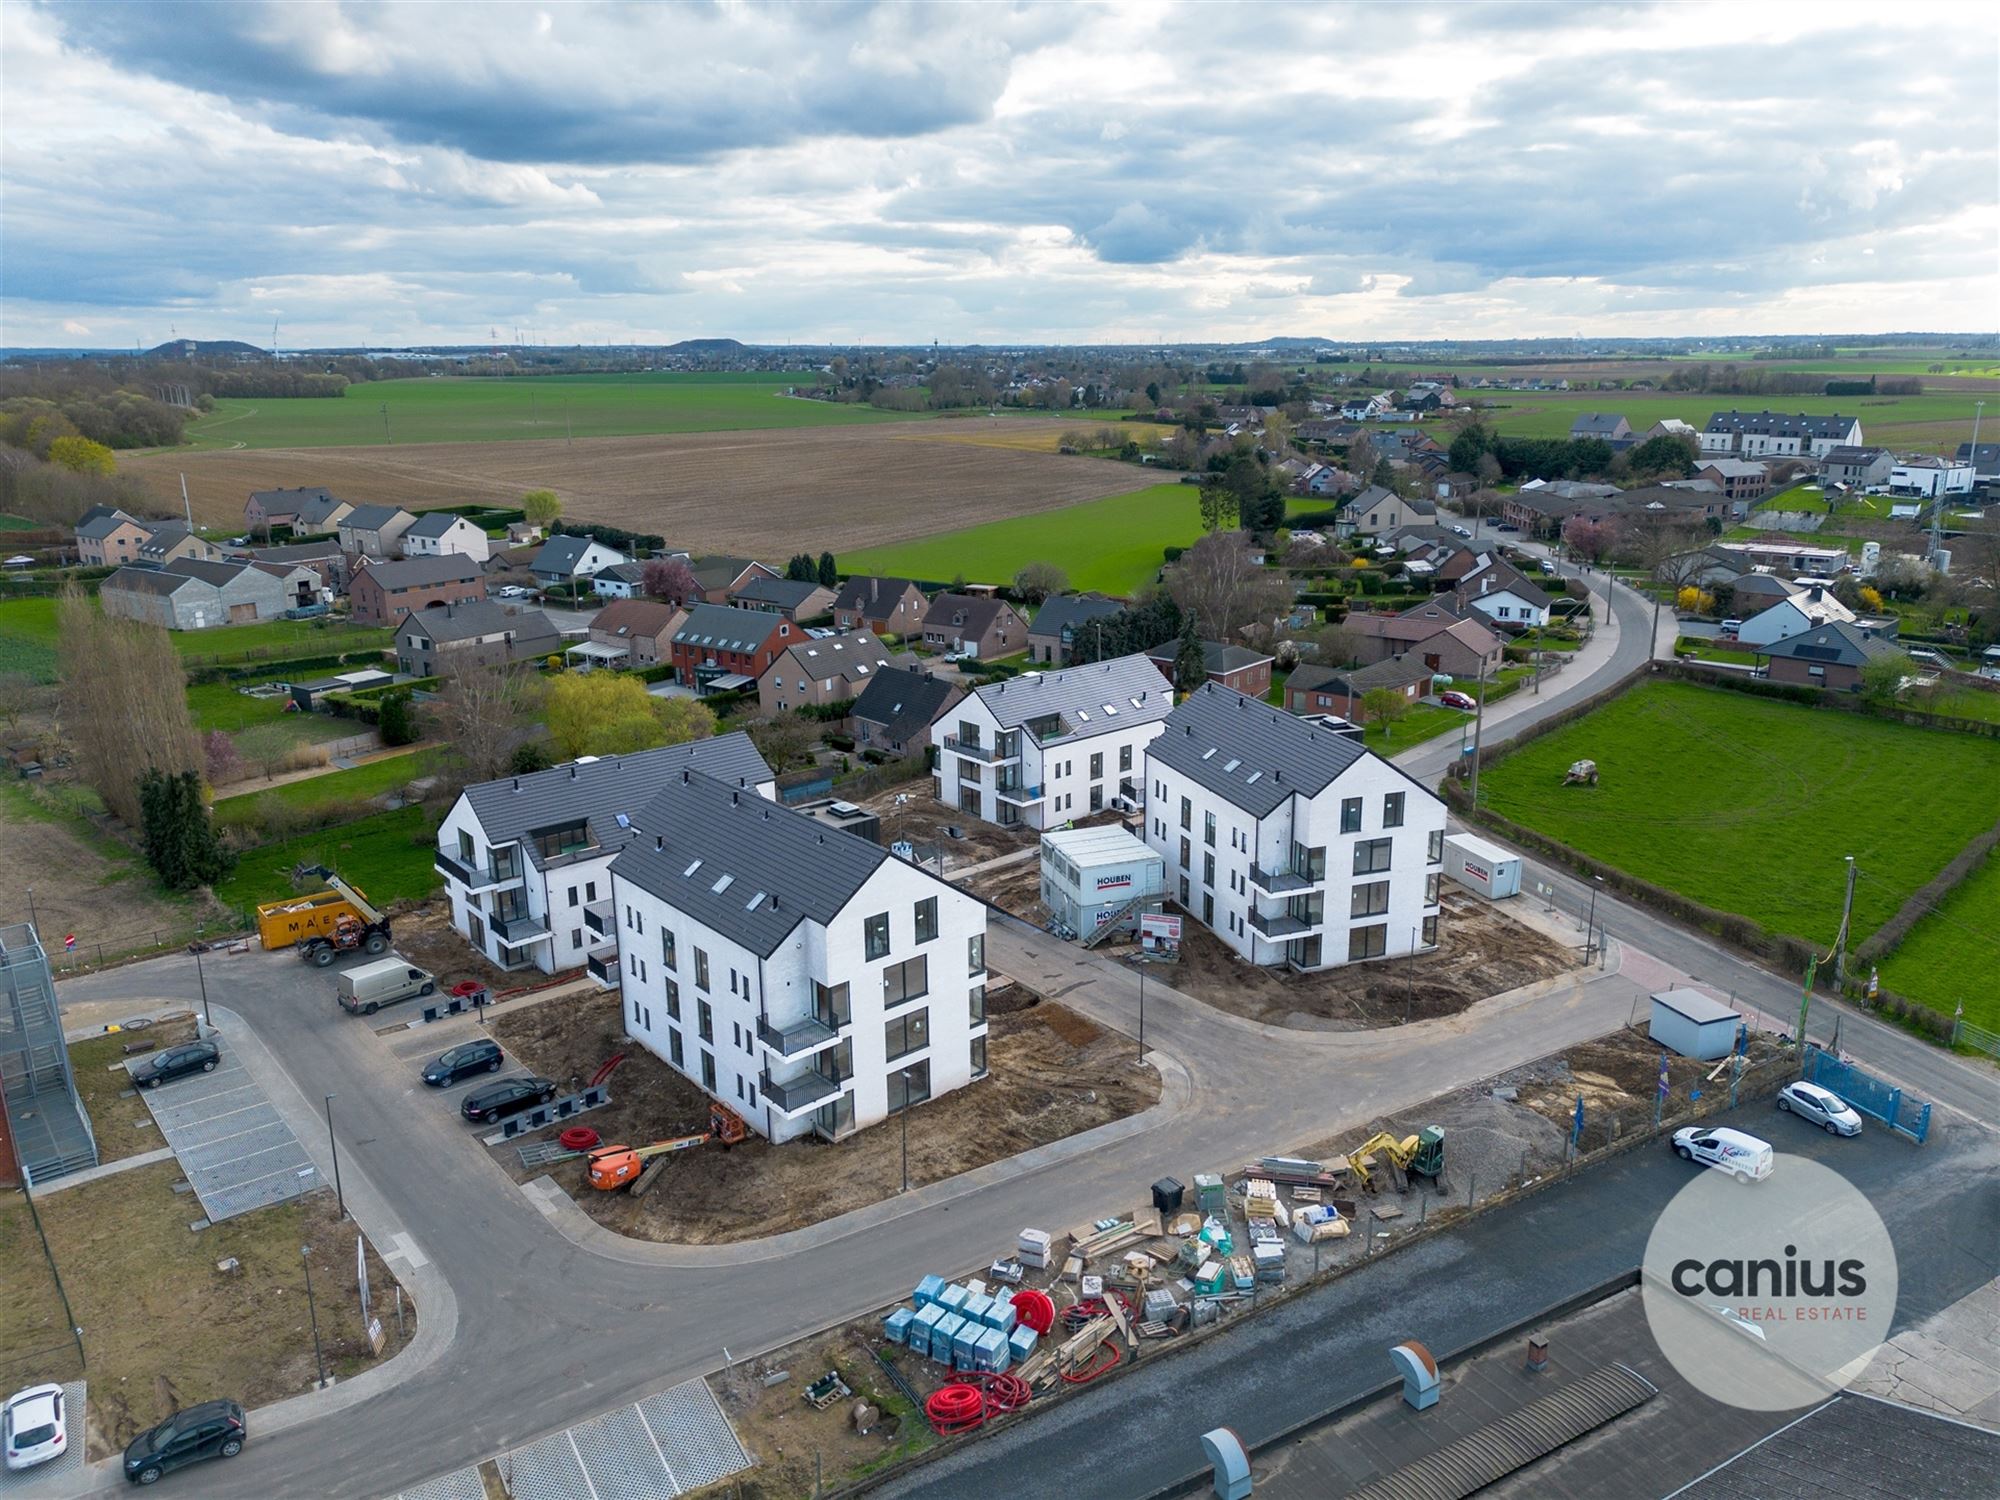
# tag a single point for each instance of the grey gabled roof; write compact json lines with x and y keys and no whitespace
{"x":560,"y":554}
{"x":1837,"y":643}
{"x":220,"y":574}
{"x":432,"y":523}
{"x":103,"y":521}
{"x":858,"y":653}
{"x":1247,"y":752}
{"x":788,"y":592}
{"x":749,"y":869}
{"x":146,"y":581}
{"x":902,"y":701}
{"x":473,"y":619}
{"x":1781,"y":424}
{"x":1093,"y":699}
{"x":872,"y":595}
{"x":1597,"y":424}
{"x":1069,"y":611}
{"x":370,"y":517}
{"x":415,"y":572}
{"x":727,"y":629}
{"x":1507,"y":577}
{"x":1361,"y":500}
{"x":165,"y":536}
{"x":598,"y":790}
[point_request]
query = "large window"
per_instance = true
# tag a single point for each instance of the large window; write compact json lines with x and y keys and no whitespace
{"x":708,"y":1071}
{"x":1371,"y":900}
{"x":1350,"y":815}
{"x":1437,"y":846}
{"x":1208,"y":829}
{"x":1124,"y":757}
{"x":877,"y":935}
{"x":911,"y":1085}
{"x":1392,"y":810}
{"x":1208,"y":869}
{"x":700,"y":969}
{"x":831,"y":1006}
{"x":975,"y":953}
{"x":552,"y":843}
{"x":906,"y":1034}
{"x":1371,"y":856}
{"x":905,"y":981}
{"x":673,"y":999}
{"x":1430,"y":932}
{"x":704,"y":1020}
{"x":674,"y":1051}
{"x":976,"y":1004}
{"x":1097,"y":765}
{"x":979,"y":1057}
{"x":1187,"y":852}
{"x":1187,"y":816}
{"x":1368,"y":942}
{"x":1431,"y":889}
{"x":669,"y":953}
{"x":927,"y":919}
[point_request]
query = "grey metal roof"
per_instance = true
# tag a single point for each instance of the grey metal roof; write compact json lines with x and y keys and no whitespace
{"x":165,"y":536}
{"x":1835,"y":643}
{"x":472,"y":619}
{"x":147,"y":581}
{"x":860,"y":652}
{"x":1781,"y":424}
{"x":789,"y":592}
{"x":1248,"y":752}
{"x":599,"y":790}
{"x":1093,"y":699}
{"x":1859,"y":1448}
{"x":415,"y":572}
{"x":726,"y":629}
{"x":713,"y":572}
{"x":1071,"y":610}
{"x":751,"y":870}
{"x":901,"y":701}
{"x":1216,"y":656}
{"x":432,"y":523}
{"x":370,"y":517}
{"x":220,"y":574}
{"x":101,"y":525}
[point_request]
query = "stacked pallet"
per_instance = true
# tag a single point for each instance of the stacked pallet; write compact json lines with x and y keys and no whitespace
{"x":1319,"y":1222}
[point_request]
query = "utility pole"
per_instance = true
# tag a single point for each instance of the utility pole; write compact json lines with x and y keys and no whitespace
{"x":312,"y":1309}
{"x":1478,"y":727}
{"x":195,"y":949}
{"x":1840,"y":939}
{"x":334,"y":1146}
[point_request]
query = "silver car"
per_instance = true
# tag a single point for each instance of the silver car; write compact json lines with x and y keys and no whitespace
{"x":1821,"y":1107}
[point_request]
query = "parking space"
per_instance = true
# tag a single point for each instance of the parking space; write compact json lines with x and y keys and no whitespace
{"x":235,"y":1148}
{"x":413,"y":1048}
{"x":57,"y":1476}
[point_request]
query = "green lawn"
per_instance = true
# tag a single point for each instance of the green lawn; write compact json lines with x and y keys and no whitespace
{"x":219,"y":705}
{"x":1705,"y":650}
{"x":1966,"y":703}
{"x":370,"y":780}
{"x":28,"y":639}
{"x":1426,"y":721}
{"x":1950,"y":956}
{"x":1748,"y":805}
{"x":1114,"y":545}
{"x":17,"y":523}
{"x":489,"y":409}
{"x":388,"y":856}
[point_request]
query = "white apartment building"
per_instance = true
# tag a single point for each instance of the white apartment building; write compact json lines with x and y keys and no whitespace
{"x":1930,"y":477}
{"x":1046,"y":747}
{"x":799,"y":973}
{"x":1291,"y":843}
{"x":1769,"y":434}
{"x":526,"y":860}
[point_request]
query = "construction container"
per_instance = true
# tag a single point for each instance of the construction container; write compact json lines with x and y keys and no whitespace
{"x":283,"y":923}
{"x":1167,"y":1196}
{"x":1482,"y":866}
{"x":896,"y":1327}
{"x":944,"y":1336}
{"x":1209,"y":1195}
{"x":1690,"y":1023}
{"x":928,"y":1291}
{"x":1098,"y":877}
{"x":1020,"y":1344}
{"x":1033,"y":1248}
{"x":923,"y":1328}
{"x":1211,"y":1279}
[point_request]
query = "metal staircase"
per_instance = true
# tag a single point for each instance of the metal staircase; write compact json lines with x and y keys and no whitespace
{"x":1110,"y":924}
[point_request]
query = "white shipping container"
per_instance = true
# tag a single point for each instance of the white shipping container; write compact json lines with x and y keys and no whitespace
{"x":1479,"y":866}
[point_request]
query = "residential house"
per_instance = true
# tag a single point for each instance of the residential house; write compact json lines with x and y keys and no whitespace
{"x":1061,"y":620}
{"x":438,"y":532}
{"x":308,"y":511}
{"x":1444,"y":642}
{"x":1785,"y":554}
{"x":1292,"y":843}
{"x":1325,"y":430}
{"x":1542,"y":506}
{"x":1671,"y":427}
{"x":381,"y":593}
{"x":1736,"y":478}
{"x":565,"y":560}
{"x":626,"y":580}
{"x":1931,"y":477}
{"x":1237,"y":668}
{"x":1376,"y":510}
{"x":1314,"y":689}
{"x":1607,"y":426}
{"x":631,"y":633}
{"x":720,"y":649}
{"x":887,"y":606}
{"x":473,"y":633}
{"x":374,"y":530}
{"x":301,"y":584}
{"x":108,"y":538}
{"x":1765,"y":434}
{"x":1859,"y":468}
{"x":816,"y":671}
{"x":721,"y":577}
{"x":324,"y":557}
{"x":170,"y":541}
{"x":188,"y":594}
{"x":895,"y":711}
{"x":1985,"y":460}
{"x":1499,"y":591}
{"x":1831,"y":656}
{"x":795,"y":600}
{"x":979,"y":626}
{"x":1751,"y":594}
{"x":526,"y":860}
{"x":1330,"y":480}
{"x":1045,"y":747}
{"x":801,"y":975}
{"x":1795,"y":615}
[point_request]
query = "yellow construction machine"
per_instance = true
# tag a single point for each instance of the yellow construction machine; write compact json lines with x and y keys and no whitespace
{"x":1419,"y":1155}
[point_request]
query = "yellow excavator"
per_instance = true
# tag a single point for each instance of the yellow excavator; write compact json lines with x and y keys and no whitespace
{"x":1419,"y":1155}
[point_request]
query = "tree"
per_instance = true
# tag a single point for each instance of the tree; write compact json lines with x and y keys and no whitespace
{"x":397,"y":719}
{"x":18,"y":694}
{"x":1038,"y":580}
{"x":801,"y":569}
{"x":529,"y":757}
{"x":122,"y":702}
{"x":601,"y":713}
{"x":1385,"y":706}
{"x":1218,"y":505}
{"x":784,"y":740}
{"x":485,"y":714}
{"x":1468,"y":448}
{"x":1277,"y":434}
{"x":829,"y":571}
{"x":81,"y":456}
{"x":1588,"y":538}
{"x":1871,"y":599}
{"x":670,"y":579}
{"x":1668,"y":456}
{"x":1190,"y":662}
{"x":1883,"y":677}
{"x":1153,"y":393}
{"x":219,"y":759}
{"x":1672,"y":553}
{"x":1218,"y":582}
{"x":683,"y":719}
{"x":179,"y":838}
{"x":541,"y":507}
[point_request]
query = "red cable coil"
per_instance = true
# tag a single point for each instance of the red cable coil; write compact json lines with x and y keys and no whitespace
{"x":955,"y":1408}
{"x":1005,"y":1393}
{"x":1035,"y":1310}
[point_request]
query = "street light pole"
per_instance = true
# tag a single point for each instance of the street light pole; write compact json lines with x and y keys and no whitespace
{"x":195,"y":949}
{"x":1590,"y":922}
{"x":312,"y":1309}
{"x":334,"y":1146}
{"x":1142,"y":1013}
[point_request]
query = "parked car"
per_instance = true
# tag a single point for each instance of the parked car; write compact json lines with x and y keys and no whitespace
{"x":1821,"y":1107}
{"x":32,"y":1427}
{"x":363,"y":990}
{"x":1742,"y":1156}
{"x":507,"y":1097}
{"x":176,"y":1062}
{"x":1506,"y":526}
{"x":211,"y":1429}
{"x":460,"y":1063}
{"x":512,"y":591}
{"x":1452,"y":698}
{"x":1461,"y":531}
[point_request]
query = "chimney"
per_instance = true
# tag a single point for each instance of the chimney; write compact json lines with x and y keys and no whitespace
{"x":517,"y":783}
{"x":659,"y":843}
{"x":1538,"y":1353}
{"x":684,"y":776}
{"x":572,"y":771}
{"x":734,"y":799}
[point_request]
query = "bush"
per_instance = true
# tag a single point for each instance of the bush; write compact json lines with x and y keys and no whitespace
{"x":838,"y":741}
{"x":1173,"y":554}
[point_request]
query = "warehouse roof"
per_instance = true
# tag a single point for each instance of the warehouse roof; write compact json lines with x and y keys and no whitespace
{"x":1248,"y":752}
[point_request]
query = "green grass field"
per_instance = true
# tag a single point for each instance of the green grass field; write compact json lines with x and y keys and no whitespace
{"x":1748,"y":805}
{"x":371,"y":779}
{"x":1950,"y":956}
{"x":28,"y":639}
{"x":1113,"y":545}
{"x":1927,"y":421}
{"x":479,"y":410}
{"x":17,"y":523}
{"x":218,"y":705}
{"x":388,"y":856}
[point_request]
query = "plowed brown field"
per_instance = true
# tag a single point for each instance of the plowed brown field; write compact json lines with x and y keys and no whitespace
{"x":768,"y":492}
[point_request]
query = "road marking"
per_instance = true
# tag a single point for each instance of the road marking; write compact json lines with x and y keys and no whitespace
{"x":582,"y":1467}
{"x":407,"y":1250}
{"x":643,"y":1422}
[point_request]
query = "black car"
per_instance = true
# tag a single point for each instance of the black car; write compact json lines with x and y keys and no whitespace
{"x":176,"y":1062}
{"x":461,"y":1063}
{"x":213,"y":1429}
{"x":507,"y":1097}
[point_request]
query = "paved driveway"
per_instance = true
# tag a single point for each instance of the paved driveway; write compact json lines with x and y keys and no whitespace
{"x":237,"y":1151}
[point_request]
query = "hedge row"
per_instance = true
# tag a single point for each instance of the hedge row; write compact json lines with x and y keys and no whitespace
{"x":1884,"y":939}
{"x":289,"y":668}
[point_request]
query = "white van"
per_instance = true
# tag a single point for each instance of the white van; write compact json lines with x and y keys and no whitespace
{"x":363,"y":991}
{"x":1742,"y":1156}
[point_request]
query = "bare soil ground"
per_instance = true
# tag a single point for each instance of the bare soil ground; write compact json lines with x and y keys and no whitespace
{"x":90,"y":885}
{"x":797,"y":1447}
{"x":1482,"y":953}
{"x":1053,"y":1074}
{"x":765,"y":492}
{"x":119,"y":1118}
{"x":910,"y":812}
{"x":425,"y":936}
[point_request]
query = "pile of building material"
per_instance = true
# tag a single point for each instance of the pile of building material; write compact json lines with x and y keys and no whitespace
{"x":961,"y":1327}
{"x":1318,"y":1221}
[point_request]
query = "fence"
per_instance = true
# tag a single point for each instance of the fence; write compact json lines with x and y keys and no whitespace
{"x":1869,"y":1094}
{"x":1965,"y":1034}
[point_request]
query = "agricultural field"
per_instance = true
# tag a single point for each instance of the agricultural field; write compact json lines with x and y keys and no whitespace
{"x":388,"y":856}
{"x":775,"y":492}
{"x":1748,"y":805}
{"x":1933,"y":422}
{"x":28,"y":637}
{"x":1949,"y":957}
{"x":1115,"y":545}
{"x":445,"y":409}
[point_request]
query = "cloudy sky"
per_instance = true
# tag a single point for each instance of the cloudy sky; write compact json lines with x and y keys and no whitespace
{"x":1131,"y":172}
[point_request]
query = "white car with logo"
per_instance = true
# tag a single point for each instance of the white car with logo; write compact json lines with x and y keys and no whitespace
{"x":1821,"y":1107}
{"x":1742,"y":1156}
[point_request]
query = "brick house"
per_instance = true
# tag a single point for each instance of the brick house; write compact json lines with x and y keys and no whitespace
{"x":1738,"y":478}
{"x":477,"y":632}
{"x":983,"y":627}
{"x":718,"y":648}
{"x":1830,"y":656}
{"x":306,"y":511}
{"x":817,"y":672}
{"x":642,"y":628}
{"x":720,"y":577}
{"x":170,"y":541}
{"x":383,"y":592}
{"x":887,"y":606}
{"x":108,"y":538}
{"x":1339,"y":690}
{"x":1444,"y":644}
{"x":1235,"y":667}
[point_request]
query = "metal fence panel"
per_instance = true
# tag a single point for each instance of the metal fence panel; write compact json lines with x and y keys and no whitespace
{"x":1870,"y":1095}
